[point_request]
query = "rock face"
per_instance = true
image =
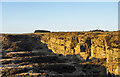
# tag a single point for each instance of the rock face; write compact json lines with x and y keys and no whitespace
{"x":97,"y":51}
{"x":89,"y":45}
{"x":20,"y":42}
{"x":37,"y":60}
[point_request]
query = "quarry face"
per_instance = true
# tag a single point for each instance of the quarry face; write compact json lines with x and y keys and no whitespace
{"x":60,"y":54}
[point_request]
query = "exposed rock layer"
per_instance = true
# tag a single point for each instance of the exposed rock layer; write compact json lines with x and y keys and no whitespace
{"x":20,"y":42}
{"x":89,"y":45}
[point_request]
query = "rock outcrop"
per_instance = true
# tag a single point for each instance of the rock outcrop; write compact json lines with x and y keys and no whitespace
{"x":20,"y":42}
{"x":40,"y":61}
{"x":89,"y":45}
{"x":94,"y":51}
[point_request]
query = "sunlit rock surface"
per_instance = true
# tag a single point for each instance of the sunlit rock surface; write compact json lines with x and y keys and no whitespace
{"x":89,"y":45}
{"x":60,"y":54}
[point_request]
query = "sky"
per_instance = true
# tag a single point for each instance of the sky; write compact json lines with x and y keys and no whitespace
{"x":25,"y":17}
